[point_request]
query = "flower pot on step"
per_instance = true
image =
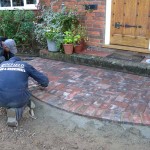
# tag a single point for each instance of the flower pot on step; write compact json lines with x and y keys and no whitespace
{"x":68,"y":48}
{"x":83,"y":44}
{"x":52,"y":46}
{"x":78,"y":48}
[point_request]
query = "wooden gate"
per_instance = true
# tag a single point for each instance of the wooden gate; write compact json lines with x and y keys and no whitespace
{"x":130,"y":23}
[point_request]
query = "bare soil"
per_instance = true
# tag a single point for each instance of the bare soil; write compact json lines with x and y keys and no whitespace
{"x":58,"y":130}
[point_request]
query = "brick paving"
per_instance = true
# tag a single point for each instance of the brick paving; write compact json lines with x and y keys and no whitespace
{"x":93,"y":92}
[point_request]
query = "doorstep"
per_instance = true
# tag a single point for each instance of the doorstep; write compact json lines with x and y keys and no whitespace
{"x":127,"y":48}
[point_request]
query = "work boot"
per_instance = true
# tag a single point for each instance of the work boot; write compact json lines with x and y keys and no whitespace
{"x":11,"y":117}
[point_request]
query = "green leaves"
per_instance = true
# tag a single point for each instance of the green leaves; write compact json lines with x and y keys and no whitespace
{"x":71,"y":38}
{"x":62,"y":27}
{"x":17,"y":24}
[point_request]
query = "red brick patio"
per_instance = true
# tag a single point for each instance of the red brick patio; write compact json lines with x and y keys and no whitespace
{"x":93,"y":92}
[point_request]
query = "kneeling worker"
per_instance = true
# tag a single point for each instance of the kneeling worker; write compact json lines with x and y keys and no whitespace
{"x":14,"y":93}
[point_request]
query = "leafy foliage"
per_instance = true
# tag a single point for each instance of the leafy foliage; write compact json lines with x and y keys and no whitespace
{"x":52,"y":25}
{"x":70,"y":38}
{"x":17,"y":24}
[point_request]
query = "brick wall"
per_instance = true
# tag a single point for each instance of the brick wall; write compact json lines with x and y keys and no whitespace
{"x":94,"y":21}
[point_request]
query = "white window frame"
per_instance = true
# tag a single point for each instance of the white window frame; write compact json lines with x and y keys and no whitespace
{"x":26,"y":6}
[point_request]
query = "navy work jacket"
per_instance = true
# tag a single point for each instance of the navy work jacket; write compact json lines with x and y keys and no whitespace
{"x":14,"y":75}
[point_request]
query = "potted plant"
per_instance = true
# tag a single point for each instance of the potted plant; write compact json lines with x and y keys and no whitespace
{"x":48,"y":29}
{"x":52,"y":25}
{"x":54,"y":38}
{"x":80,"y":43}
{"x":69,"y":40}
{"x":51,"y":43}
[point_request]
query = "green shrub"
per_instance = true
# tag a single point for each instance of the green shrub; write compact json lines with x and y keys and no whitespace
{"x":18,"y":25}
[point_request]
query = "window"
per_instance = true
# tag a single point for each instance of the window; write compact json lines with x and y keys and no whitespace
{"x":18,"y":4}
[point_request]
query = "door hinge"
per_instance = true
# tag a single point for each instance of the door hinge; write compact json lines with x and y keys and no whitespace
{"x":118,"y":25}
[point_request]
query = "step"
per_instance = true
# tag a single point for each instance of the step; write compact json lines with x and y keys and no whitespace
{"x":100,"y":62}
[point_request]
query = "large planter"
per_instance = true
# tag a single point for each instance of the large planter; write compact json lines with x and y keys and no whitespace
{"x":68,"y":48}
{"x":52,"y":46}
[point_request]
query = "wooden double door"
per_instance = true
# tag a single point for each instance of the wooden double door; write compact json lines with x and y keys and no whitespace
{"x":130,"y":23}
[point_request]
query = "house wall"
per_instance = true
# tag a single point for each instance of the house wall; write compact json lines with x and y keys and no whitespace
{"x":94,"y":21}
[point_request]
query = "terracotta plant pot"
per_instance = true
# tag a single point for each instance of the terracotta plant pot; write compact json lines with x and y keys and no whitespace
{"x":83,"y":44}
{"x":78,"y":48}
{"x":68,"y":48}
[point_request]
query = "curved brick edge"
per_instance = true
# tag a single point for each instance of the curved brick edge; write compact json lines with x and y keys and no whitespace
{"x":98,"y":114}
{"x":99,"y":62}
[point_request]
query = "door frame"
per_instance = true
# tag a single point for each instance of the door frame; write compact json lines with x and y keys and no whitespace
{"x":108,"y":23}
